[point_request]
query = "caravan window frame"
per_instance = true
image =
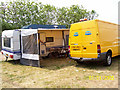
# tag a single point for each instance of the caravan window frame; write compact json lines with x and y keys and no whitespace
{"x":49,"y":39}
{"x":5,"y":43}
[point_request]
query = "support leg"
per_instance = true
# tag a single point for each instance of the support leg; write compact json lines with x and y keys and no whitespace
{"x":6,"y":59}
{"x":40,"y":58}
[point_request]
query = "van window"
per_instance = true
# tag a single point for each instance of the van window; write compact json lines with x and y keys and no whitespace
{"x":49,"y":39}
{"x":7,"y":42}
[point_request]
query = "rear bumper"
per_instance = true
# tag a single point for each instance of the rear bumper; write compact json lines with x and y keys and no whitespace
{"x":16,"y":56}
{"x":100,"y":57}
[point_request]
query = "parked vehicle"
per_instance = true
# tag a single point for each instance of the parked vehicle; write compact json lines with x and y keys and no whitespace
{"x":11,"y":44}
{"x":94,"y":40}
{"x":30,"y":45}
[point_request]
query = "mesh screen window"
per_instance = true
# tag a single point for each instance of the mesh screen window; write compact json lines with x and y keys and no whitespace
{"x":30,"y":44}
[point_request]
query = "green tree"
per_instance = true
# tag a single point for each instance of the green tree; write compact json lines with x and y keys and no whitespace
{"x":67,"y":16}
{"x":21,"y":13}
{"x":91,"y":15}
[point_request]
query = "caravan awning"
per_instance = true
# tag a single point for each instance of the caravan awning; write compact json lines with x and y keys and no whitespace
{"x":26,"y":32}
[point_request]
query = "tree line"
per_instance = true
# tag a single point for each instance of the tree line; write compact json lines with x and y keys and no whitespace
{"x":21,"y":13}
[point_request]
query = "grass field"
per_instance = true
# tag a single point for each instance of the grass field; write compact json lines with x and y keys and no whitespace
{"x":59,"y":73}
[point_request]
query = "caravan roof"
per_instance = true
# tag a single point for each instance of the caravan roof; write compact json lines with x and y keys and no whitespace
{"x":36,"y":26}
{"x":8,"y":33}
{"x":53,"y":29}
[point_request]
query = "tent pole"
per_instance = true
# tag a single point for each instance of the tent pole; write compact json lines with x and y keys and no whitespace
{"x":39,"y":49}
{"x":63,"y":38}
{"x":40,"y":58}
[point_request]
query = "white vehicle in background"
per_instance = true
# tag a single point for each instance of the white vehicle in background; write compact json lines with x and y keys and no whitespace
{"x":11,"y":44}
{"x":32,"y":43}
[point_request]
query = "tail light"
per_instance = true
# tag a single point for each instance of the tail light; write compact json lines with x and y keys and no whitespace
{"x":69,"y":49}
{"x":2,"y":52}
{"x":11,"y":56}
{"x":98,"y":49}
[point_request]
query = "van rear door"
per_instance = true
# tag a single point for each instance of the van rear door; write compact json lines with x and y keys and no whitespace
{"x":76,"y":43}
{"x":89,"y":43}
{"x":83,"y":43}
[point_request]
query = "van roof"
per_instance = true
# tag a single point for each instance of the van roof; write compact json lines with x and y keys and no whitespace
{"x":97,"y":20}
{"x":87,"y":24}
{"x":105,"y":21}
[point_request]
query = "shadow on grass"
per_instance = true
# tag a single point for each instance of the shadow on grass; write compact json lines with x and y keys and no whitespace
{"x":99,"y":65}
{"x":14,"y":62}
{"x":48,"y":63}
{"x":58,"y":63}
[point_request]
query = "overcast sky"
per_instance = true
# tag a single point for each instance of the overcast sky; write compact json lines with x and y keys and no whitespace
{"x":107,"y":9}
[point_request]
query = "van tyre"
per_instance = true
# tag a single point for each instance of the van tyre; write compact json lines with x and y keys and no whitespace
{"x":108,"y":59}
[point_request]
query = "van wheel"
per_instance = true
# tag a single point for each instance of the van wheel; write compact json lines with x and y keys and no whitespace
{"x":108,"y":60}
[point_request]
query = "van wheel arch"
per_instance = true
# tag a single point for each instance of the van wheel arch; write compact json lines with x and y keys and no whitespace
{"x":109,"y":52}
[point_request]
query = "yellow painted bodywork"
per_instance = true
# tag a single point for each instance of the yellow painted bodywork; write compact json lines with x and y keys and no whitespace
{"x":103,"y":33}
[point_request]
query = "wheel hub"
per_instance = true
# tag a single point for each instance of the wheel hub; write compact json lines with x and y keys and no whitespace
{"x":109,"y":60}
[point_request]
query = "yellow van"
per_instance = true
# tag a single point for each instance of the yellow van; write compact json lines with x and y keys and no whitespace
{"x":94,"y":40}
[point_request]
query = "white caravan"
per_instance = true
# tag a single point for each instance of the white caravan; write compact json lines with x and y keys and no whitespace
{"x":11,"y":44}
{"x":28,"y":45}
